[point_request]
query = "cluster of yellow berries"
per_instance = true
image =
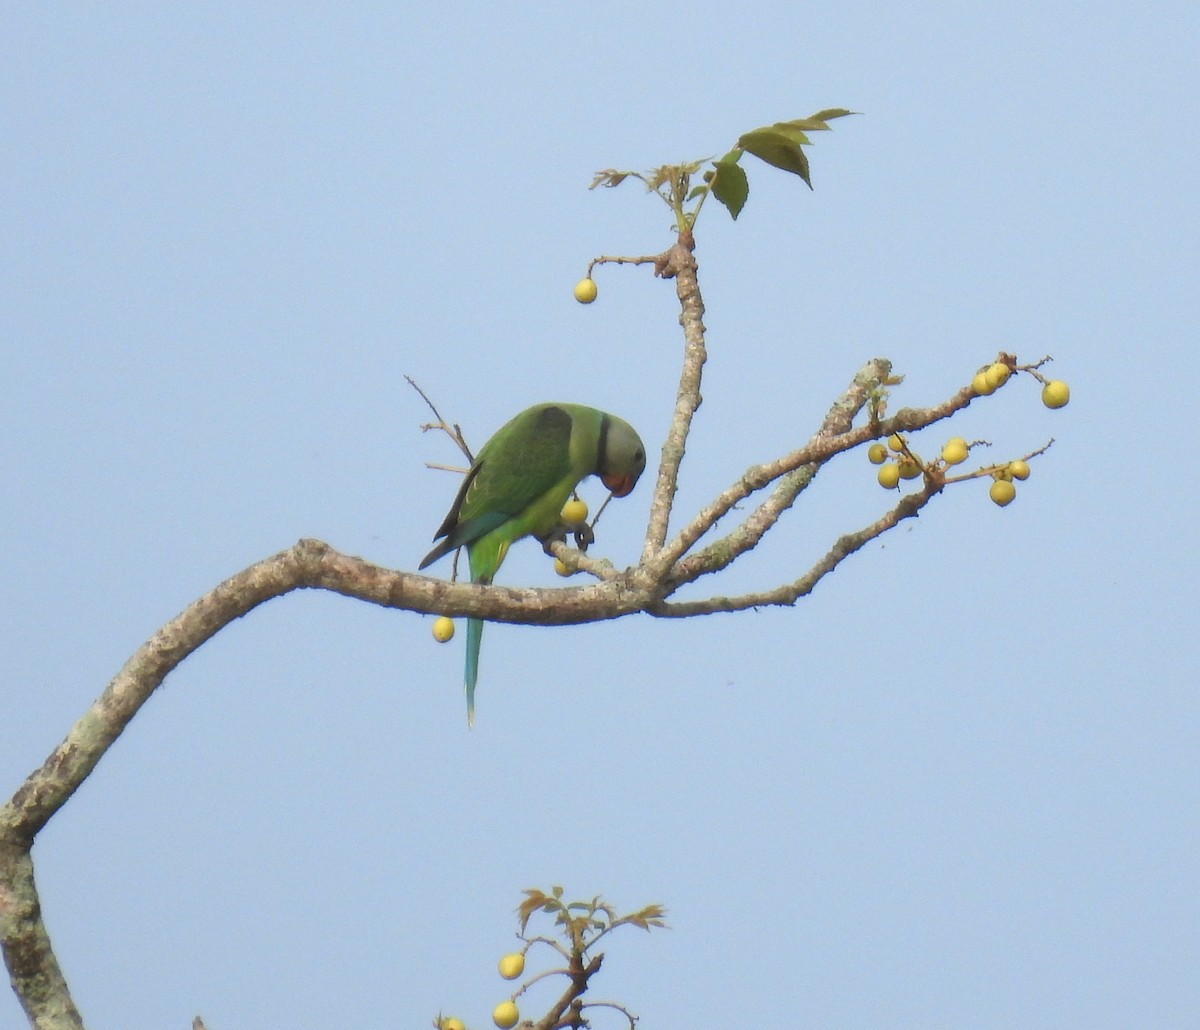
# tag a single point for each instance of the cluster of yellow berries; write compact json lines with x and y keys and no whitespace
{"x":990,"y":379}
{"x":1002,"y":490}
{"x":954,"y":452}
{"x":1055,"y":393}
{"x":506,"y":1014}
{"x":907,"y":465}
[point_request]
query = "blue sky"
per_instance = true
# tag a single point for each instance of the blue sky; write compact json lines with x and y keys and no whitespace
{"x":957,"y":786}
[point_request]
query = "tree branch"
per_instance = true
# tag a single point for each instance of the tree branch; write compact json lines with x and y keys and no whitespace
{"x":33,"y":969}
{"x":311,"y":564}
{"x":908,"y":507}
{"x":679,"y":264}
{"x":837,"y":423}
{"x":795,"y":471}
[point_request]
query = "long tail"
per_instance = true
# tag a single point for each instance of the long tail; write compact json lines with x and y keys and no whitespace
{"x":474,"y":635}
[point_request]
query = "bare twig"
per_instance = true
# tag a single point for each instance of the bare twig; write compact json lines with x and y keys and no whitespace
{"x":612,"y":1005}
{"x":453,"y":431}
{"x":605,"y":259}
{"x":987,"y":470}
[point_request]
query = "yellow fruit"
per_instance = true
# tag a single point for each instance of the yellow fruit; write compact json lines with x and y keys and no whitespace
{"x":505,"y":1015}
{"x":896,"y":442}
{"x":574,"y":512}
{"x":997,"y":374}
{"x":955,"y":451}
{"x":512,"y":965}
{"x":888,"y":475}
{"x":1055,"y":394}
{"x":1019,"y":469}
{"x":981,"y":386}
{"x":443,"y":628}
{"x":585,"y":290}
{"x":1002,"y":492}
{"x":909,"y":469}
{"x":877,"y":453}
{"x":452,"y":1024}
{"x":561,"y":569}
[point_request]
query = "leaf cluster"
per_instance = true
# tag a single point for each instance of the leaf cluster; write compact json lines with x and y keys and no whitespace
{"x":583,"y":923}
{"x":779,"y":144}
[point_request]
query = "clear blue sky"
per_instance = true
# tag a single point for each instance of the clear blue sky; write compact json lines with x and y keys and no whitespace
{"x":957,"y":786}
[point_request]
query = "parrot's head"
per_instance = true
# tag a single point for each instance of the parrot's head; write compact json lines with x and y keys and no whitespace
{"x":622,"y":457}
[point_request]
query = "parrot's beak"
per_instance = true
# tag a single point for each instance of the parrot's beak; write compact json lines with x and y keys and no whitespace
{"x":618,"y":486}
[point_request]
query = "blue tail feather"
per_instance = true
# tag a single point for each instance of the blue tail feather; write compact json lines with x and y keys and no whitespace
{"x":474,"y":635}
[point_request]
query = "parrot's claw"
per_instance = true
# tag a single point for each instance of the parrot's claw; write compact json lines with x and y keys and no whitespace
{"x":558,"y":535}
{"x":584,"y":537}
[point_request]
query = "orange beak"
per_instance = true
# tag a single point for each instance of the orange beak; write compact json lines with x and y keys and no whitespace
{"x":619,"y":486}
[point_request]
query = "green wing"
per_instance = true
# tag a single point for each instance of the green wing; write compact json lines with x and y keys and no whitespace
{"x":520,"y":463}
{"x":524,"y":459}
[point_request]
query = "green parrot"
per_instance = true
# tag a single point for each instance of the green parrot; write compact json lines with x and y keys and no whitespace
{"x":518,"y":485}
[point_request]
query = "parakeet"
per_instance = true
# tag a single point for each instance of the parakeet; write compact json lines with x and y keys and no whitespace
{"x":517,"y":487}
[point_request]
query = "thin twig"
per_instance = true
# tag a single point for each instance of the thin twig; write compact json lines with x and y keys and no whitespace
{"x":606,"y":259}
{"x":451,"y":430}
{"x":987,"y":470}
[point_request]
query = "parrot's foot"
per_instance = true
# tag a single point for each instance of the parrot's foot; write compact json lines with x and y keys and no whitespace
{"x":584,"y":537}
{"x":558,"y":535}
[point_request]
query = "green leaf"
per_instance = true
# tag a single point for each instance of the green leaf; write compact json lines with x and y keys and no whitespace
{"x":730,"y":186}
{"x":697,"y":191}
{"x":830,"y":113}
{"x":794,"y":130}
{"x":778,"y":149}
{"x":818,"y":122}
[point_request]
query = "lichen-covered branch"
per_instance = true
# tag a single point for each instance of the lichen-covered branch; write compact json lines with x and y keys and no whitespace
{"x":789,"y":593}
{"x":311,"y":564}
{"x":679,"y":264}
{"x":33,"y":969}
{"x":794,"y":472}
{"x":822,"y":446}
